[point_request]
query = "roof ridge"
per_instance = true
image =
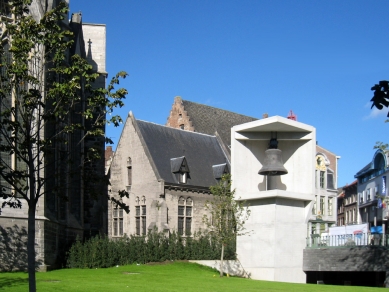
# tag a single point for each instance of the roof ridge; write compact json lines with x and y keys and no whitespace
{"x":176,"y":129}
{"x":184,"y":100}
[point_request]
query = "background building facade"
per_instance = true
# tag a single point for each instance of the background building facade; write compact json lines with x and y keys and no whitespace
{"x":60,"y":217}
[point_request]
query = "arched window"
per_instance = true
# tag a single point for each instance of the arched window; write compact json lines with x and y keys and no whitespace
{"x":185,"y":208}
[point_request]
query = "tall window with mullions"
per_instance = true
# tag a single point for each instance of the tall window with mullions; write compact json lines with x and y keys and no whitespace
{"x":185,"y":216}
{"x":117,"y":214}
{"x":144,"y":220}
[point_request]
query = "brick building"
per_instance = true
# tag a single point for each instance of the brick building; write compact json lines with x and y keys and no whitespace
{"x":205,"y":119}
{"x":348,"y":208}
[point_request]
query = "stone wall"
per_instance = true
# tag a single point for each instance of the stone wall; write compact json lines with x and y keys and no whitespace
{"x":144,"y":180}
{"x":198,"y":211}
{"x":358,"y":259}
{"x":356,"y":266}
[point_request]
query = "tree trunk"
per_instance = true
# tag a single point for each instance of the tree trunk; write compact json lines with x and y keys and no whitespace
{"x":221,"y":261}
{"x":31,"y":246}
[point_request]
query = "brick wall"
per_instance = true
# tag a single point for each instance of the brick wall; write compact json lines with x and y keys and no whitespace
{"x":178,"y":116}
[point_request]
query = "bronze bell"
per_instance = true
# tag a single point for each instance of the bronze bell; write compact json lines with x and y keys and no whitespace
{"x":273,"y":164}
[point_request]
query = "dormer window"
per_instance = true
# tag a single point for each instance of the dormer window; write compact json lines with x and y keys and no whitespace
{"x":179,"y":167}
{"x":219,"y":170}
{"x":182,"y":177}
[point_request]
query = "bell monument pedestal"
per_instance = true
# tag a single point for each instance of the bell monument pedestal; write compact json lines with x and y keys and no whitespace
{"x":280,"y":204}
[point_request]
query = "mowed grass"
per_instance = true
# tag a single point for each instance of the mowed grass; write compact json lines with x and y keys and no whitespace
{"x":171,"y":276}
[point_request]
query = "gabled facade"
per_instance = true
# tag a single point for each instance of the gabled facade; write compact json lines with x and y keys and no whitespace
{"x":373,"y":190}
{"x":167,"y":173}
{"x":324,"y":205}
{"x":340,"y":209}
{"x":348,"y":208}
{"x":201,"y":118}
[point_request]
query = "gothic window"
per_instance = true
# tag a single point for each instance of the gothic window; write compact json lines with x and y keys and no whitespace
{"x":140,"y":216}
{"x":144,"y":220}
{"x":129,"y":171}
{"x":185,"y":208}
{"x":117,"y":218}
{"x":137,"y":217}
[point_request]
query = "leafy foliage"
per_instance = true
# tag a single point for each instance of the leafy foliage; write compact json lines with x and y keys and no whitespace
{"x":381,"y":100}
{"x":48,"y":99}
{"x":101,"y":252}
{"x":226,"y":216}
{"x":381,"y":145}
{"x":381,"y":97}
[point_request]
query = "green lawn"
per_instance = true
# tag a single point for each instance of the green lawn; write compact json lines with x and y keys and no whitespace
{"x":177,"y":276}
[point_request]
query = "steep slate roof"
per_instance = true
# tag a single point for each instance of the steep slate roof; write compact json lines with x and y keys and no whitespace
{"x":201,"y":152}
{"x":206,"y":119}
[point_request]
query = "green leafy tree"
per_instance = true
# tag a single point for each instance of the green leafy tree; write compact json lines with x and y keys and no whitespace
{"x":41,"y":89}
{"x":380,"y":100}
{"x":226,"y":217}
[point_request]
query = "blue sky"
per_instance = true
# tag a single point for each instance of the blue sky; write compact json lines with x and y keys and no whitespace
{"x":317,"y":58}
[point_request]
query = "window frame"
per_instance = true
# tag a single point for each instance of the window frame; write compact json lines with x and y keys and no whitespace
{"x":322,"y":179}
{"x":322,"y":205}
{"x":117,"y":221}
{"x":185,"y":216}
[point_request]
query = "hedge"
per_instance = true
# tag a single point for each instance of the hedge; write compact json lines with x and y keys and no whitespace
{"x":102,"y":252}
